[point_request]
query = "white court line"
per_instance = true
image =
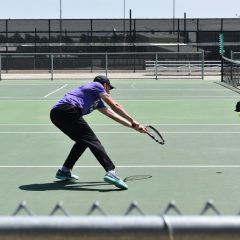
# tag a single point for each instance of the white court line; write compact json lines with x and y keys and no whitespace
{"x":65,"y":85}
{"x":26,"y":124}
{"x":116,"y":124}
{"x":170,"y":89}
{"x":189,"y":96}
{"x":26,"y":99}
{"x":59,"y":132}
{"x":163,"y":132}
{"x":132,"y":86}
{"x":192,"y":98}
{"x":130,"y":166}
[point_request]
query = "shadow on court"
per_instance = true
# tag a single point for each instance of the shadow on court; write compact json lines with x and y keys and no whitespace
{"x":77,"y":186}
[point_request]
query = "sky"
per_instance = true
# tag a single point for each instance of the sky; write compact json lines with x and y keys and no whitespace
{"x":90,"y":9}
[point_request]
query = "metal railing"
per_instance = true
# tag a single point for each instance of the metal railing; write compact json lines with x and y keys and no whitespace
{"x":161,"y":226}
{"x":133,"y":62}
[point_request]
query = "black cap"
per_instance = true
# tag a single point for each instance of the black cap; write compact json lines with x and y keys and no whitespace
{"x":102,"y":79}
{"x":237,"y":107}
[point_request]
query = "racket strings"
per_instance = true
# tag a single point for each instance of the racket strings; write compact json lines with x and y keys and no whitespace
{"x":153,"y":133}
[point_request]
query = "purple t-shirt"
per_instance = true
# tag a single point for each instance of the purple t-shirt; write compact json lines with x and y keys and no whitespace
{"x":85,"y":97}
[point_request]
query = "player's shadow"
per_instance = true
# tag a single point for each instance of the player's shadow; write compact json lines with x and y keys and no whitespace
{"x":70,"y":186}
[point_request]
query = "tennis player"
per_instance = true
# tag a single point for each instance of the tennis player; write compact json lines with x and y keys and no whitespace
{"x":68,"y":114}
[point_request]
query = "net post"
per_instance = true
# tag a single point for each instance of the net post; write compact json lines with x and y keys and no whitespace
{"x":156,"y":67}
{"x":222,"y":69}
{"x":202,"y":65}
{"x":221,"y":43}
{"x":221,"y":49}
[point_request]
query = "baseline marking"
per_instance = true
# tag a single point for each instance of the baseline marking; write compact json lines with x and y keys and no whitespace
{"x":133,"y":166}
{"x":174,"y":132}
{"x":177,"y":98}
{"x":116,"y":124}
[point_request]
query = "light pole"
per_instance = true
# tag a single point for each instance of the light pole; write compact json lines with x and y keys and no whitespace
{"x":60,"y":17}
{"x":124,"y":8}
{"x":60,"y":10}
{"x":173,"y":9}
{"x":124,"y":11}
{"x":173,"y":16}
{"x":124,"y":26}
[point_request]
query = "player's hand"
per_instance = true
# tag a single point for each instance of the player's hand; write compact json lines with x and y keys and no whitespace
{"x":138,"y":127}
{"x":135,"y":125}
{"x":142,"y":129}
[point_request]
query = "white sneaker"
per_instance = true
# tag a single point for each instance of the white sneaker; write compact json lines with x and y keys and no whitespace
{"x":112,"y":178}
{"x":67,"y":176}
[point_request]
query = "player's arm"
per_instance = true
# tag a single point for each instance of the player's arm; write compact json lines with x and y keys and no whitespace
{"x":117,"y":108}
{"x":111,"y":114}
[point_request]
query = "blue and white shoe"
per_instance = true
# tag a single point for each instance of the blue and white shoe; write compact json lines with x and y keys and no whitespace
{"x":66,"y":176}
{"x":112,"y":178}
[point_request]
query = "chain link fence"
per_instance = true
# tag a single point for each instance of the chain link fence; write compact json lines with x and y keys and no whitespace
{"x":118,"y":35}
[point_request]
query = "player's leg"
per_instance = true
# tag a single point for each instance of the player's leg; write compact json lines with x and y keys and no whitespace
{"x":88,"y":137}
{"x":72,"y":124}
{"x":75,"y":153}
{"x":64,"y":117}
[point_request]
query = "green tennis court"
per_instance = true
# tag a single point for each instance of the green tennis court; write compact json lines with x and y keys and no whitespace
{"x":200,"y":160}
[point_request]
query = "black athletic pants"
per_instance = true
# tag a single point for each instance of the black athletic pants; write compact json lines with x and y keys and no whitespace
{"x":70,"y":121}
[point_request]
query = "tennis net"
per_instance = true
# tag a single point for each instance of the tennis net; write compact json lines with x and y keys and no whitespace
{"x":230,"y":71}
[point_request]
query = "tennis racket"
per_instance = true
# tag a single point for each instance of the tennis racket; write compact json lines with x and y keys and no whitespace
{"x":154,"y":134}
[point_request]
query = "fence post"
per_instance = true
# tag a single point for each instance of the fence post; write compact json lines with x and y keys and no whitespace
{"x":106,"y":64}
{"x":202,"y":65}
{"x":51,"y":66}
{"x":156,"y":67}
{"x":189,"y":68}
